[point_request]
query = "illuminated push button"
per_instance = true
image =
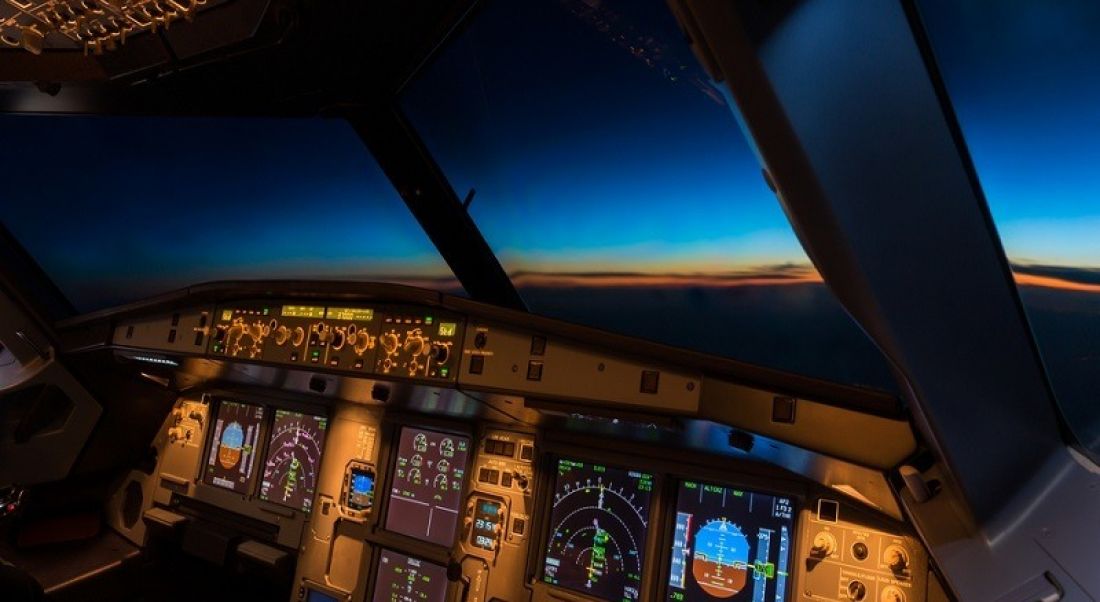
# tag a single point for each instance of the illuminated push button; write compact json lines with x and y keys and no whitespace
{"x":506,"y":480}
{"x":477,"y":364}
{"x":519,"y":525}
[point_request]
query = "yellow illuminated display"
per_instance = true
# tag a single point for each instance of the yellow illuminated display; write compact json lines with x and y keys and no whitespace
{"x":447,"y":329}
{"x":355,"y":314}
{"x":303,"y":311}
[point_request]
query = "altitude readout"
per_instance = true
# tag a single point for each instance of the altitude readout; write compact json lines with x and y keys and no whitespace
{"x":293,"y":459}
{"x":232,"y":455}
{"x":488,"y":524}
{"x":729,"y":544}
{"x":598,"y":529}
{"x":428,"y":478}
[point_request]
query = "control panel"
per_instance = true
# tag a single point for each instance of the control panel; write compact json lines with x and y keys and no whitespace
{"x":414,"y":343}
{"x":497,"y":523}
{"x":848,"y":557}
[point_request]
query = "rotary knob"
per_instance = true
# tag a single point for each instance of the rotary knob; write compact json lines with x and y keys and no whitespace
{"x":440,"y":353}
{"x":362,"y":342}
{"x":891,"y":593}
{"x":298,"y":336}
{"x":338,"y":339}
{"x":896,"y":558}
{"x":857,"y":591}
{"x":414,"y":345}
{"x":824,"y":545}
{"x":281,"y":335}
{"x":389,"y":342}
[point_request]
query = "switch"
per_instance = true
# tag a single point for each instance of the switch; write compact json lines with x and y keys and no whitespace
{"x":538,"y":345}
{"x":477,"y":364}
{"x":896,"y":558}
{"x":129,"y":332}
{"x":175,"y":320}
{"x":534,"y":370}
{"x":824,"y":545}
{"x":827,"y":511}
{"x":783,"y":409}
{"x":650,"y":381}
{"x":198,"y":338}
{"x":172,"y":336}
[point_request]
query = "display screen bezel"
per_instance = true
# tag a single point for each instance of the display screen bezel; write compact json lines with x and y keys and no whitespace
{"x":675,"y":483}
{"x":258,"y":457}
{"x":273,"y":410}
{"x":657,"y":501}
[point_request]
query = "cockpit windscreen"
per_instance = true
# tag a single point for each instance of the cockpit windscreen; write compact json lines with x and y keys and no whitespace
{"x":597,"y":530}
{"x":294,"y":459}
{"x":231,"y":458}
{"x":428,"y":478}
{"x":729,"y":544}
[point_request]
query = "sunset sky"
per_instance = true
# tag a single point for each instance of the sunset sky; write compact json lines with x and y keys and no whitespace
{"x":593,"y":157}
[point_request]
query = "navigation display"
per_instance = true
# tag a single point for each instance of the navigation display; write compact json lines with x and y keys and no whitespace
{"x":729,"y":544}
{"x":232,"y":454}
{"x":428,"y":478}
{"x":598,"y":529}
{"x":405,"y":579}
{"x":293,"y":459}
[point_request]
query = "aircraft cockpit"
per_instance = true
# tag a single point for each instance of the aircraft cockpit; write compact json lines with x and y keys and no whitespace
{"x":543,"y":301}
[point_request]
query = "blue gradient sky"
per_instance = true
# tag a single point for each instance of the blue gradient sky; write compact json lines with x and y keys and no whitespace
{"x":589,"y":155}
{"x":1024,"y":78}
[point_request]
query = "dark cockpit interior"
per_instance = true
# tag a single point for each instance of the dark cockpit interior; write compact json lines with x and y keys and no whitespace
{"x":548,"y":300}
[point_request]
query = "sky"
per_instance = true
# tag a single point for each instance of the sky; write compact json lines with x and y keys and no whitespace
{"x":1024,"y":82}
{"x":601,"y":157}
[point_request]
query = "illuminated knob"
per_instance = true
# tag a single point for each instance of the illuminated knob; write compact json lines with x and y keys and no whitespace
{"x":338,"y":340}
{"x":219,"y":333}
{"x":362,"y":342}
{"x":298,"y":336}
{"x":896,"y":558}
{"x":891,"y":593}
{"x":414,"y":345}
{"x":281,"y":335}
{"x":389,"y":342}
{"x":856,"y":590}
{"x":824,"y":545}
{"x":440,"y":353}
{"x":256,"y":331}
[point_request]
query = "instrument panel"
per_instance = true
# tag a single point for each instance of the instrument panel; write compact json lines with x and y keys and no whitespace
{"x":443,"y":510}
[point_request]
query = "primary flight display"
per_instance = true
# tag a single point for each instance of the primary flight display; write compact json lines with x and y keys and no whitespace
{"x":598,"y":527}
{"x":232,"y":454}
{"x":729,"y":544}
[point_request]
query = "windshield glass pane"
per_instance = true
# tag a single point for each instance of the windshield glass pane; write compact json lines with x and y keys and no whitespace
{"x":614,"y":185}
{"x":118,"y":209}
{"x":1024,"y":82}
